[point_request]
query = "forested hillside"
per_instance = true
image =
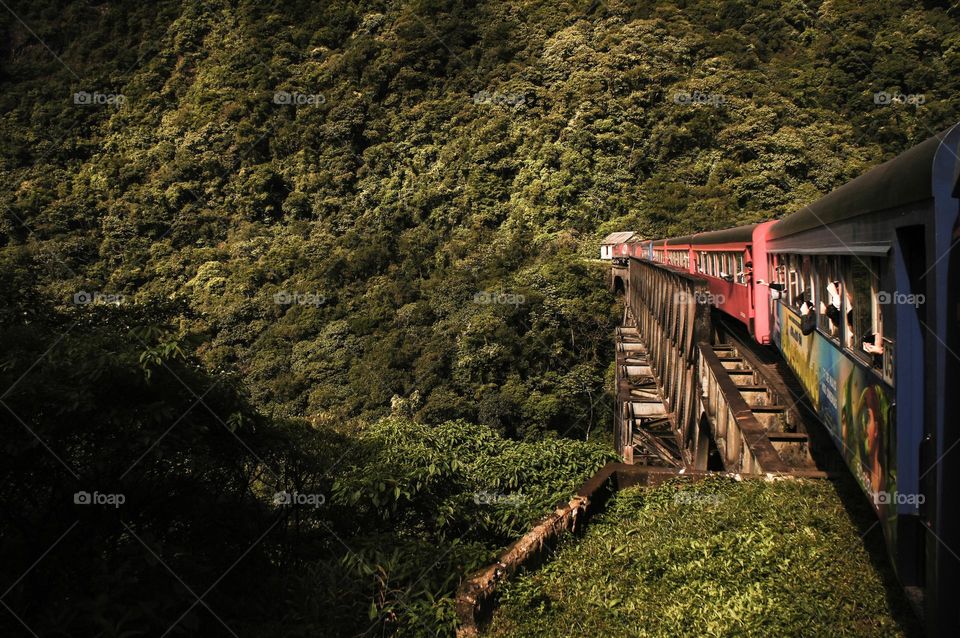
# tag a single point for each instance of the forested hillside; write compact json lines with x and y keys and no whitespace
{"x":341,"y":248}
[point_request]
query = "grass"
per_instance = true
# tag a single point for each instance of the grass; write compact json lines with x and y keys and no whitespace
{"x":716,"y":558}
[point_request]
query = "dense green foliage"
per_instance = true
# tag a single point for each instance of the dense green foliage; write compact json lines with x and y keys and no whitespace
{"x":400,"y":510}
{"x":402,"y":195}
{"x":406,"y":244}
{"x":718,"y":558}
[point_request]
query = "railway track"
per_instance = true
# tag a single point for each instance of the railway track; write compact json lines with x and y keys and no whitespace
{"x":759,"y":417}
{"x":776,"y":399}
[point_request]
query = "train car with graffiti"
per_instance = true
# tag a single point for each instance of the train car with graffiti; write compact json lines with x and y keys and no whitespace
{"x":860,"y":293}
{"x":861,"y":316}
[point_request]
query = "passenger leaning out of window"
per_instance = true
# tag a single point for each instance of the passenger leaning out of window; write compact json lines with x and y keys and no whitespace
{"x":832,"y":307}
{"x":808,"y":319}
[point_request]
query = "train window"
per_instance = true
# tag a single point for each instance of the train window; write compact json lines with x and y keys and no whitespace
{"x":863,"y":332}
{"x":793,"y":280}
{"x":805,"y":282}
{"x":740,"y":274}
{"x":775,"y":265}
{"x":829,"y":296}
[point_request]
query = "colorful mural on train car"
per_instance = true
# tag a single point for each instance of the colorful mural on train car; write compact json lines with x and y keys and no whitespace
{"x":854,"y":404}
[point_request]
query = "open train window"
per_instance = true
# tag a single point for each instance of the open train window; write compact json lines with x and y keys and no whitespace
{"x":807,"y":281}
{"x":774,"y":263}
{"x":793,"y":280}
{"x":829,"y":287}
{"x":724,"y":270}
{"x":740,"y":274}
{"x":863,"y":329}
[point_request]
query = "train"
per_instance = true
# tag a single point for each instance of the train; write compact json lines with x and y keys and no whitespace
{"x":858,"y":292}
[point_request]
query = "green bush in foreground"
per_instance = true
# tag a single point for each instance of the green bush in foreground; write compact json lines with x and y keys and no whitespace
{"x":429,"y":504}
{"x":718,"y":558}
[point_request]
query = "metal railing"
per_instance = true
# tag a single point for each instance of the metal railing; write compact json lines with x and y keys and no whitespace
{"x":670,"y":313}
{"x":740,"y":438}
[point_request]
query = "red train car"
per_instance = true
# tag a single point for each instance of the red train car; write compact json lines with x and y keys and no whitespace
{"x":659,"y":251}
{"x":673,"y":252}
{"x":678,"y":252}
{"x":734,"y":263}
{"x":724,"y":259}
{"x":620,"y":250}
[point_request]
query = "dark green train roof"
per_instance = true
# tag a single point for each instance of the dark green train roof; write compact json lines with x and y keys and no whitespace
{"x":677,"y":241}
{"x":739,"y":234}
{"x":905,"y":179}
